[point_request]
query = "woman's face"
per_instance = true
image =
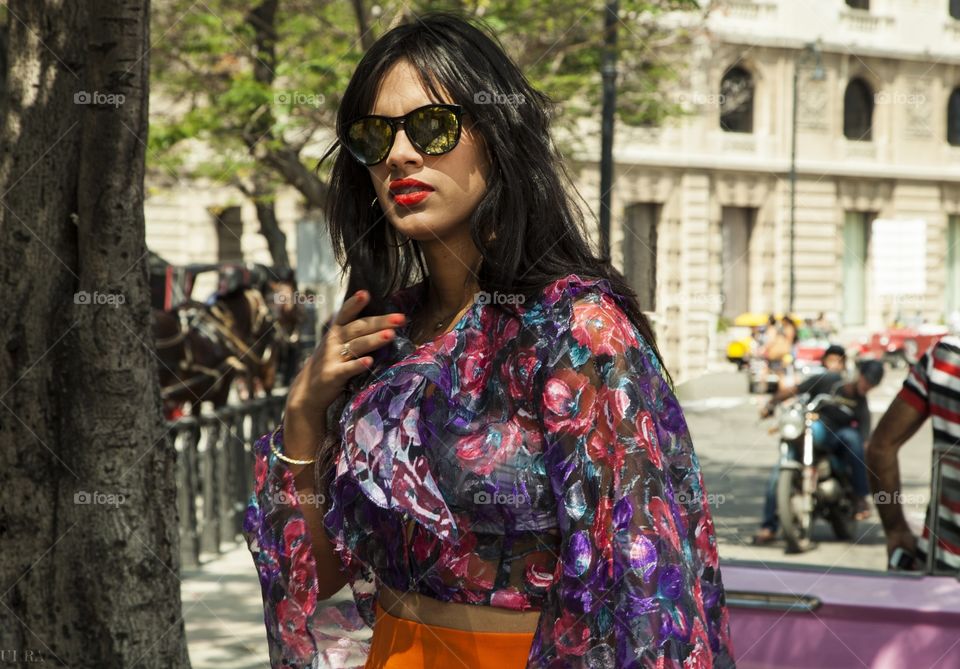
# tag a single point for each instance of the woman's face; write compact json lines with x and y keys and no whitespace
{"x":458,"y":178}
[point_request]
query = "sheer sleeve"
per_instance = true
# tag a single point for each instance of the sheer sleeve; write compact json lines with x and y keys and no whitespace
{"x":300,"y":633}
{"x":637,"y":583}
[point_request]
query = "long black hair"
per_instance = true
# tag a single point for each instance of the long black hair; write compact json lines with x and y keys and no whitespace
{"x":534,"y":230}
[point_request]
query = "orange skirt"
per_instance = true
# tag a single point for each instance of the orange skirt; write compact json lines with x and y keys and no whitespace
{"x":406,"y":644}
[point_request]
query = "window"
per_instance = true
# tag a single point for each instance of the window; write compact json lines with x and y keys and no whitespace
{"x":953,"y":118}
{"x":859,"y":4}
{"x":229,"y":225}
{"x":858,"y":111}
{"x":955,"y":9}
{"x":640,"y":251}
{"x":856,"y":245}
{"x":736,"y":230}
{"x":736,"y":100}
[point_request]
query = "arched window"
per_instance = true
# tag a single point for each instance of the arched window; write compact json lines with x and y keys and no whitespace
{"x":858,"y":111}
{"x":953,"y":118}
{"x":736,"y":100}
{"x":955,"y":9}
{"x":859,"y":4}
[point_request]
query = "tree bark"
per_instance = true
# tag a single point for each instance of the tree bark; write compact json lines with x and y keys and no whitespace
{"x":262,"y":17}
{"x":260,"y":139}
{"x":263,"y":195}
{"x":288,"y":164}
{"x":3,"y":64}
{"x":88,"y":517}
{"x":363,"y":26}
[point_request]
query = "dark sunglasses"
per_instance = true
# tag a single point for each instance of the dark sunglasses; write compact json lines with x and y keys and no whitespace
{"x":432,"y":129}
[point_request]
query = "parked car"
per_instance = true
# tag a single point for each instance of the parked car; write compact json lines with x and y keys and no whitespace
{"x":830,"y":617}
{"x":790,"y":616}
{"x":901,"y":345}
{"x":809,"y":353}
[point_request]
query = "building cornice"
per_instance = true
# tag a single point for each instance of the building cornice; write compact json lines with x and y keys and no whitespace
{"x":781,"y":168}
{"x":839,"y":48}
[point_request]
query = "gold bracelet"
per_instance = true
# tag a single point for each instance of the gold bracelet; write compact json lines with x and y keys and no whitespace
{"x":273,"y":447}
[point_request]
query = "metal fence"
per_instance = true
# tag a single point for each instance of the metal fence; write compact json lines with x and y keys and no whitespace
{"x":215,"y":471}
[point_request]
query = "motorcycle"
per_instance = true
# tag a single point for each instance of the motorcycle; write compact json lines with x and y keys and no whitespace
{"x":813,"y":482}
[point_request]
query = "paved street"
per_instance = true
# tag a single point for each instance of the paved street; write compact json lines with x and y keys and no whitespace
{"x":223,"y":612}
{"x":222,"y":604}
{"x":736,"y":453}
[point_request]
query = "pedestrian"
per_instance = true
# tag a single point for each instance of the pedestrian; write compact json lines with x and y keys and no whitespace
{"x":931,"y":390}
{"x":511,"y":480}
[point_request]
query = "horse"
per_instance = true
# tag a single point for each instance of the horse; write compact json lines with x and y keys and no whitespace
{"x":195,"y":365}
{"x":248,"y":330}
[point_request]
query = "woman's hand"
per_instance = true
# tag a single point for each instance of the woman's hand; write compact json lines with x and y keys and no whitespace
{"x":326,"y":372}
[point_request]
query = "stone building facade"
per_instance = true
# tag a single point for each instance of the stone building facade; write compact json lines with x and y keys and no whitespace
{"x":706,"y":199}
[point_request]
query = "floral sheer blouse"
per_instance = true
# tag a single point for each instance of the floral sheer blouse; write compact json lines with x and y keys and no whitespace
{"x":539,"y":462}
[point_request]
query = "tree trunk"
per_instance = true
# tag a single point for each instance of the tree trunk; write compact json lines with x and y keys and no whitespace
{"x":260,"y":139}
{"x":264,"y":199}
{"x":287,"y":163}
{"x":3,"y":63}
{"x":88,"y":518}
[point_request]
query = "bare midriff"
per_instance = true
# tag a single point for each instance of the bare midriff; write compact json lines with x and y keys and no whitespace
{"x":468,"y":617}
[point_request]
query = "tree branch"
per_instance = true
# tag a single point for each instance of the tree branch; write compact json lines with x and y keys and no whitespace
{"x":366,"y":37}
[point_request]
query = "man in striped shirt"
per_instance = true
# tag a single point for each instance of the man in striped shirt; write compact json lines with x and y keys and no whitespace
{"x":932,"y":389}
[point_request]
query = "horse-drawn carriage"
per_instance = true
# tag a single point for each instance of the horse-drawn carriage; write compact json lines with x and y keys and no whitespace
{"x":239,"y":337}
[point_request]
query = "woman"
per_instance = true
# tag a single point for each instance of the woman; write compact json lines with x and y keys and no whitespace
{"x":504,"y":476}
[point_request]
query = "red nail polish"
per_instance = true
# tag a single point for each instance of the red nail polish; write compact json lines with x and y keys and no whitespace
{"x":387,"y":334}
{"x":397,"y":320}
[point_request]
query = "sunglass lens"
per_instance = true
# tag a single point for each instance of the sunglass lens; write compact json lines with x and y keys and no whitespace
{"x":434,"y":130}
{"x":368,"y":139}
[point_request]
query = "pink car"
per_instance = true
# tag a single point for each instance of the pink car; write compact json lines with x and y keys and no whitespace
{"x":792,"y":616}
{"x":901,"y":345}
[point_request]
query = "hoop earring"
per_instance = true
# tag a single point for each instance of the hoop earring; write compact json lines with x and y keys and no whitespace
{"x":397,"y":246}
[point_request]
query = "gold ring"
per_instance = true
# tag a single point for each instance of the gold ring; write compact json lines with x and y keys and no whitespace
{"x":345,"y":351}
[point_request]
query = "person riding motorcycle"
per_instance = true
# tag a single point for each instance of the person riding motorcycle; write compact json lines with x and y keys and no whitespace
{"x":846,"y":428}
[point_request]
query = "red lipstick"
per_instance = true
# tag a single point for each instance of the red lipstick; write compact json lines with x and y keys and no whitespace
{"x":408,"y":192}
